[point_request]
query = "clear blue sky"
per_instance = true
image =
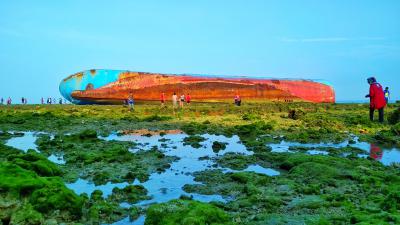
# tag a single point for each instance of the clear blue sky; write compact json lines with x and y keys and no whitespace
{"x":342,"y":41}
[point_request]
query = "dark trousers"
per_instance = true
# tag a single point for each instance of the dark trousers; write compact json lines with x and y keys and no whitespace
{"x":371,"y":114}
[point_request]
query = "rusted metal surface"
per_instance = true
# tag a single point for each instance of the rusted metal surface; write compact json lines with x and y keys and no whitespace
{"x":113,"y":86}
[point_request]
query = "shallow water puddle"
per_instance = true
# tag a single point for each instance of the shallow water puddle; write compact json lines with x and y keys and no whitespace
{"x":254,"y":168}
{"x":138,"y":221}
{"x":317,"y":152}
{"x":24,"y":143}
{"x":56,"y":159}
{"x":168,"y":185}
{"x":27,"y":142}
{"x":262,"y":170}
{"x":386,"y":156}
{"x":83,"y":186}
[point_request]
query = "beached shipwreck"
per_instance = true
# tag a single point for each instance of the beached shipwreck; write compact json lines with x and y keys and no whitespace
{"x":114,"y":86}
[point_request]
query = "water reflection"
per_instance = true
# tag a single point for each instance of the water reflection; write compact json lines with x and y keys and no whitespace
{"x":375,"y":152}
{"x":386,"y":156}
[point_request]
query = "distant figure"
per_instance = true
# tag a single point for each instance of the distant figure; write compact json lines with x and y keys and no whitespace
{"x":22,"y":100}
{"x":25,"y":101}
{"x":54,"y":101}
{"x":60,"y":101}
{"x":181,"y":100}
{"x":174,"y":100}
{"x":42,"y":100}
{"x":2,"y":101}
{"x":188,"y":99}
{"x":162,"y":99}
{"x":377,"y":99}
{"x":387,"y":95}
{"x":237,"y":99}
{"x":131,"y":102}
{"x":49,"y":101}
{"x":9,"y":101}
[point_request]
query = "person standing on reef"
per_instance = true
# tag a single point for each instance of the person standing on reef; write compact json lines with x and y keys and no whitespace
{"x":42,"y":100}
{"x":188,"y":98}
{"x":174,"y":100}
{"x":2,"y":101}
{"x":182,"y":100}
{"x":131,"y":102}
{"x":237,"y":99}
{"x":60,"y":101}
{"x":387,"y":95}
{"x":377,"y":99}
{"x":162,"y":99}
{"x":9,"y":101}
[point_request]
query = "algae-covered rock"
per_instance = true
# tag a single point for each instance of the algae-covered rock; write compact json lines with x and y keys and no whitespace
{"x":134,"y":213}
{"x":55,"y":196}
{"x":17,"y":180}
{"x":313,"y":172}
{"x":296,"y":114}
{"x":186,"y":212}
{"x":235,"y":161}
{"x":41,"y":195}
{"x":394,"y":117}
{"x":87,"y":134}
{"x":193,"y":141}
{"x":27,"y":215}
{"x":97,"y":210}
{"x":131,"y":194}
{"x":36,"y":162}
{"x":218,"y":146}
{"x":310,"y":201}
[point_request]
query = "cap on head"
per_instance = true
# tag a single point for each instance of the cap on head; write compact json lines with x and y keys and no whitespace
{"x":371,"y":80}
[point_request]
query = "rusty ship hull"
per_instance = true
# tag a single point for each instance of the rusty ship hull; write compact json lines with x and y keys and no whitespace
{"x":114,"y":86}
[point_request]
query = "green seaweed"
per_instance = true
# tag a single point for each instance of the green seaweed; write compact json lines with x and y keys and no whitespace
{"x":194,"y":141}
{"x":186,"y":212}
{"x":131,"y":194}
{"x":218,"y":146}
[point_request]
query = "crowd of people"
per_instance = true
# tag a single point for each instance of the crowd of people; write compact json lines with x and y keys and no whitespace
{"x":180,"y":101}
{"x":24,"y":101}
{"x":8,"y":102}
{"x":176,"y":101}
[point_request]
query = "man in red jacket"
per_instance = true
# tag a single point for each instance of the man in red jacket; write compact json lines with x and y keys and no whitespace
{"x":377,"y":99}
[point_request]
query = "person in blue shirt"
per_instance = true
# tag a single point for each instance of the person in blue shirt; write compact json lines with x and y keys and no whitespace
{"x":131,"y":102}
{"x":387,"y":94}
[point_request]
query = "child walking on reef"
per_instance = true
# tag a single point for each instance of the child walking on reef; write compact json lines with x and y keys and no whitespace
{"x":377,"y":99}
{"x":387,"y":95}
